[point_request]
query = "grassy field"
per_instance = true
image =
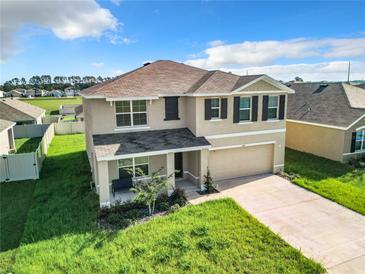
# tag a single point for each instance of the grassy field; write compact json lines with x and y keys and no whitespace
{"x":51,"y":104}
{"x":336,"y":181}
{"x":61,"y":235}
{"x":16,"y":199}
{"x":24,"y":145}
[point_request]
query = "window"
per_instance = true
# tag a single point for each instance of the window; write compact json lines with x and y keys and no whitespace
{"x":132,"y":167}
{"x":360,"y":140}
{"x":245,"y":109}
{"x":131,"y":113}
{"x":171,"y":108}
{"x":215,"y":108}
{"x":273,"y":107}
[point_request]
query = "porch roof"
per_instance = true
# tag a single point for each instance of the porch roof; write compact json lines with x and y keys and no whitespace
{"x":144,"y":143}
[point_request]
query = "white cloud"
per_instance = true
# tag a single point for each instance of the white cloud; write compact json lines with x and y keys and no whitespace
{"x":215,"y":43}
{"x":67,"y":20}
{"x":116,"y":2}
{"x":330,"y":71}
{"x":258,"y":53}
{"x":116,"y":72}
{"x":97,"y":64}
{"x":117,"y":39}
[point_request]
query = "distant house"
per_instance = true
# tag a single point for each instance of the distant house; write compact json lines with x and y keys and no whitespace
{"x":7,"y":143}
{"x":20,"y":112}
{"x":18,"y":92}
{"x":68,"y":109}
{"x":79,"y":113}
{"x":40,"y":92}
{"x":56,"y":93}
{"x":2,"y":94}
{"x":327,"y":119}
{"x":29,"y":93}
{"x":71,"y":91}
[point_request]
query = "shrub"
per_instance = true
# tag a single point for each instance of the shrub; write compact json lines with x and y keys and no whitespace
{"x":209,"y":185}
{"x":173,"y":208}
{"x":163,"y":206}
{"x":178,"y":196}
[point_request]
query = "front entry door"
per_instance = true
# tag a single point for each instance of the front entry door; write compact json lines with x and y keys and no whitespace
{"x":179,"y":164}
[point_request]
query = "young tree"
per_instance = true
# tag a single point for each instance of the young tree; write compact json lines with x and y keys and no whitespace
{"x":209,"y":183}
{"x":147,"y":191}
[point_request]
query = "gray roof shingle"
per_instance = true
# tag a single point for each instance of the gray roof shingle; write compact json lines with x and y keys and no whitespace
{"x":168,"y":77}
{"x":5,"y":124}
{"x":329,"y":107}
{"x":145,"y":141}
{"x":16,"y":110}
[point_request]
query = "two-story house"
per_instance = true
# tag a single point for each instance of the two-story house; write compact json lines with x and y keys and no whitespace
{"x":177,"y":117}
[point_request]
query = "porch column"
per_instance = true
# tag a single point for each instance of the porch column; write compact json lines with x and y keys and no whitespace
{"x":170,"y":169}
{"x":103,"y":178}
{"x":203,"y":166}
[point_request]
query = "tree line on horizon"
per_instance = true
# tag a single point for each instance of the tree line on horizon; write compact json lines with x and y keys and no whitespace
{"x":48,"y":83}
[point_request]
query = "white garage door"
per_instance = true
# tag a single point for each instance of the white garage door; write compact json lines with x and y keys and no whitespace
{"x":238,"y":162}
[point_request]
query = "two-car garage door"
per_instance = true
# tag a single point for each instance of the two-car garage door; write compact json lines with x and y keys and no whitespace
{"x":239,"y":162}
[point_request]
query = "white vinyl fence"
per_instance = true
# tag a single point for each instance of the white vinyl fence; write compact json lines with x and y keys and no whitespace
{"x":69,"y":127}
{"x":27,"y":166}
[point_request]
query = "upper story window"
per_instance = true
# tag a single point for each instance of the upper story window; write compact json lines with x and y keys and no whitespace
{"x":215,"y":108}
{"x":245,"y":109}
{"x":273,"y":107}
{"x":360,"y":140}
{"x":131,"y":113}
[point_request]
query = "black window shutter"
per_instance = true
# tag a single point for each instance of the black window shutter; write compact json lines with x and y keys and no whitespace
{"x":265,"y":105}
{"x":236,"y":109}
{"x":281,"y":107}
{"x":353,"y":142}
{"x":255,"y":104}
{"x":224,"y":108}
{"x":171,"y":108}
{"x":208,"y":109}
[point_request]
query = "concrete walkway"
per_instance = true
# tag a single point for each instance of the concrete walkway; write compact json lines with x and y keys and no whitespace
{"x":323,"y":230}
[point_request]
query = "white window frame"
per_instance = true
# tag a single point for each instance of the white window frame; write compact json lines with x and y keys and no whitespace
{"x":277,"y":107}
{"x":130,"y":114}
{"x":219,"y":109}
{"x":250,"y":110}
{"x":134,"y":166}
{"x":362,"y":142}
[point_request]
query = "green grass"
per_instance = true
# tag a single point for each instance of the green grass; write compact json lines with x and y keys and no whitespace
{"x":61,"y":235}
{"x":51,"y":104}
{"x":16,"y":199}
{"x":25,"y":145}
{"x":336,"y":181}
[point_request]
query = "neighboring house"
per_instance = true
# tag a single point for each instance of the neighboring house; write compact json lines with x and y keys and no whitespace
{"x":70,"y":91}
{"x":7,"y":143}
{"x":79,"y":113}
{"x":20,"y":112}
{"x":40,"y":92}
{"x":327,"y":120}
{"x":176,"y":117}
{"x":56,"y":93}
{"x":68,"y":109}
{"x":18,"y":92}
{"x":29,"y":93}
{"x":2,"y":94}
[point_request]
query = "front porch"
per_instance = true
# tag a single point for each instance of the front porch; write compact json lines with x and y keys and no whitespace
{"x":176,"y":153}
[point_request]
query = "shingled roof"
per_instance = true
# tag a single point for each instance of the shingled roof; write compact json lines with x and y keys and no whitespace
{"x":16,"y":110}
{"x":323,"y":104}
{"x":168,"y":78}
{"x":5,"y":124}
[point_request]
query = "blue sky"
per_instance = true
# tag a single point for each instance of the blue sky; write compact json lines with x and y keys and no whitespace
{"x":314,"y":40}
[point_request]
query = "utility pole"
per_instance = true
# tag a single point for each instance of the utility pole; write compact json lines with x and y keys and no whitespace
{"x":348,"y":73}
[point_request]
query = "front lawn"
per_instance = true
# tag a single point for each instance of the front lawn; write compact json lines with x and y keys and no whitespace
{"x":61,"y":233}
{"x":25,"y":145}
{"x":51,"y":104}
{"x":336,"y":181}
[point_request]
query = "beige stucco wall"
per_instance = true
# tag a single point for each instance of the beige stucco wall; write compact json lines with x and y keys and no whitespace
{"x":259,"y":86}
{"x":5,"y":145}
{"x":322,"y":141}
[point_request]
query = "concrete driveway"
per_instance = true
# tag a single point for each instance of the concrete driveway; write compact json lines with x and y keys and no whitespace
{"x":323,"y":230}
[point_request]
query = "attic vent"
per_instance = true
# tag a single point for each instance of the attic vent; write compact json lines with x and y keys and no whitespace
{"x":320,"y":88}
{"x":146,"y":64}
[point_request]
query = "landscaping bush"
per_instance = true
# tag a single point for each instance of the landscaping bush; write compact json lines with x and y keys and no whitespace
{"x":209,"y":184}
{"x":178,"y":196}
